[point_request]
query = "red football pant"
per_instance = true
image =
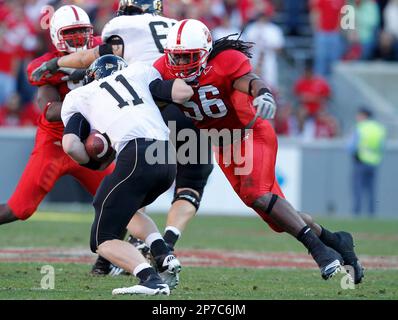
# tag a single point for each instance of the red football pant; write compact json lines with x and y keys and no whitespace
{"x":46,"y":165}
{"x":259,"y":156}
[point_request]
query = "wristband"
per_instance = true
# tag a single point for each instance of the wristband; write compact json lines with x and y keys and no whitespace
{"x":262,"y":91}
{"x":104,"y":49}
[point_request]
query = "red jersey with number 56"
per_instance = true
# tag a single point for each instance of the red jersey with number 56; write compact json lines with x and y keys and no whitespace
{"x":55,"y":129}
{"x":215,"y":103}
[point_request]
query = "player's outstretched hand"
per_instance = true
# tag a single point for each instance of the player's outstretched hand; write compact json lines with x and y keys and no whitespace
{"x":46,"y":69}
{"x":265,"y":105}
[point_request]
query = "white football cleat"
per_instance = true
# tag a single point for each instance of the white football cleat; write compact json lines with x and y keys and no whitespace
{"x":172,"y":267}
{"x":151,"y":287}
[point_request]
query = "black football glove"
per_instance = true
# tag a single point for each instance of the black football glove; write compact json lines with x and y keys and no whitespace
{"x":74,"y":75}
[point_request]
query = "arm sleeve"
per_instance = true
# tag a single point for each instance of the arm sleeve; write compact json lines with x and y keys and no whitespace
{"x":161,"y":89}
{"x":54,"y":79}
{"x":78,"y":125}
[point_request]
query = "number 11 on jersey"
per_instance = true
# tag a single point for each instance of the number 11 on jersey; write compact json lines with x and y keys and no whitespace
{"x":122,"y":103}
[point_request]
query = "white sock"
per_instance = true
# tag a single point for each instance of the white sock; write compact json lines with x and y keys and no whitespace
{"x":141,"y":267}
{"x":153,"y":237}
{"x":174,"y":230}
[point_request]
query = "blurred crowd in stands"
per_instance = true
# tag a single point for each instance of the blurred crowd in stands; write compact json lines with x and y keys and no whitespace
{"x":335,"y":34}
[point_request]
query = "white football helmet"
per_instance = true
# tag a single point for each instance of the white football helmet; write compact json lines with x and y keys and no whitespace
{"x":71,"y":29}
{"x":188,"y":46}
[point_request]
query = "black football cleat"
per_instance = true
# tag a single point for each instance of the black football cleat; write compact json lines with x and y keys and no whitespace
{"x":345,"y":247}
{"x":329,"y":261}
{"x":101,"y":267}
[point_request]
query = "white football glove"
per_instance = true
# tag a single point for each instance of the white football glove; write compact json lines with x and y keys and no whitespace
{"x":265,"y":106}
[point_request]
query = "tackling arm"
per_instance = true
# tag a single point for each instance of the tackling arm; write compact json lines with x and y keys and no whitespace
{"x":83,"y":59}
{"x":49,"y":101}
{"x":175,"y":90}
{"x":79,"y":60}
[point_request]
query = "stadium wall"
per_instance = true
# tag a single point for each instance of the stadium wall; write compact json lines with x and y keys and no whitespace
{"x":315,"y":177}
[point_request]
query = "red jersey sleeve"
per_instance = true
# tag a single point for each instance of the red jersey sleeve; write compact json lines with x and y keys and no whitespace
{"x":53,"y":80}
{"x":233,"y":64}
{"x":325,"y":89}
{"x":160,"y":65}
{"x":297,"y":87}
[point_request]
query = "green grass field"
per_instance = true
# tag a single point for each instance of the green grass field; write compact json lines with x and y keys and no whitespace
{"x":21,"y":280}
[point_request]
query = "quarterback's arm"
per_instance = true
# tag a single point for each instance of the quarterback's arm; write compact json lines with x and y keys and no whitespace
{"x":83,"y":59}
{"x":76,"y":131}
{"x":74,"y":147}
{"x":49,"y":101}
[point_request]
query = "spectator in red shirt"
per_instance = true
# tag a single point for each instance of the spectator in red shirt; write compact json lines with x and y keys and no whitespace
{"x":13,"y":114}
{"x":18,"y":41}
{"x":8,"y":63}
{"x":249,"y":9}
{"x":312,"y":91}
{"x":326,"y":125}
{"x":328,"y":44}
{"x":322,"y":126}
{"x":285,"y":121}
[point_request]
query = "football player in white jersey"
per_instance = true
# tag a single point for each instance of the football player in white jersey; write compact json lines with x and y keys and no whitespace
{"x":138,"y":33}
{"x":141,"y":28}
{"x":118,"y":101}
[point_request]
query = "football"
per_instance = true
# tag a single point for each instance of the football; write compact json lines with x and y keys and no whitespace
{"x":98,"y":146}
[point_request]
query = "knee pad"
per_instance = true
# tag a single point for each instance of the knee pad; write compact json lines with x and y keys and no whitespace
{"x":190,"y":196}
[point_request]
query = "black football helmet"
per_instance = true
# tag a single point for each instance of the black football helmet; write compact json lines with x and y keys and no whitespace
{"x":132,"y":7}
{"x":104,"y":66}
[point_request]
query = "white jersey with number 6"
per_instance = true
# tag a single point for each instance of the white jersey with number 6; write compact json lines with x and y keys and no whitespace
{"x":144,"y":36}
{"x":120,"y":105}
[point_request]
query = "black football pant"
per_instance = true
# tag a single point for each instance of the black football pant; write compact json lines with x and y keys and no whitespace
{"x":134,"y":183}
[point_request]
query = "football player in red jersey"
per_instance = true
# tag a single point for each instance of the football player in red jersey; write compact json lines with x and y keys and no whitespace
{"x":228,"y":95}
{"x":71,"y":31}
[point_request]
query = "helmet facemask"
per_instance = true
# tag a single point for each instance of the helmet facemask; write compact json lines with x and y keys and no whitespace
{"x":186,"y":64}
{"x":75,"y":38}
